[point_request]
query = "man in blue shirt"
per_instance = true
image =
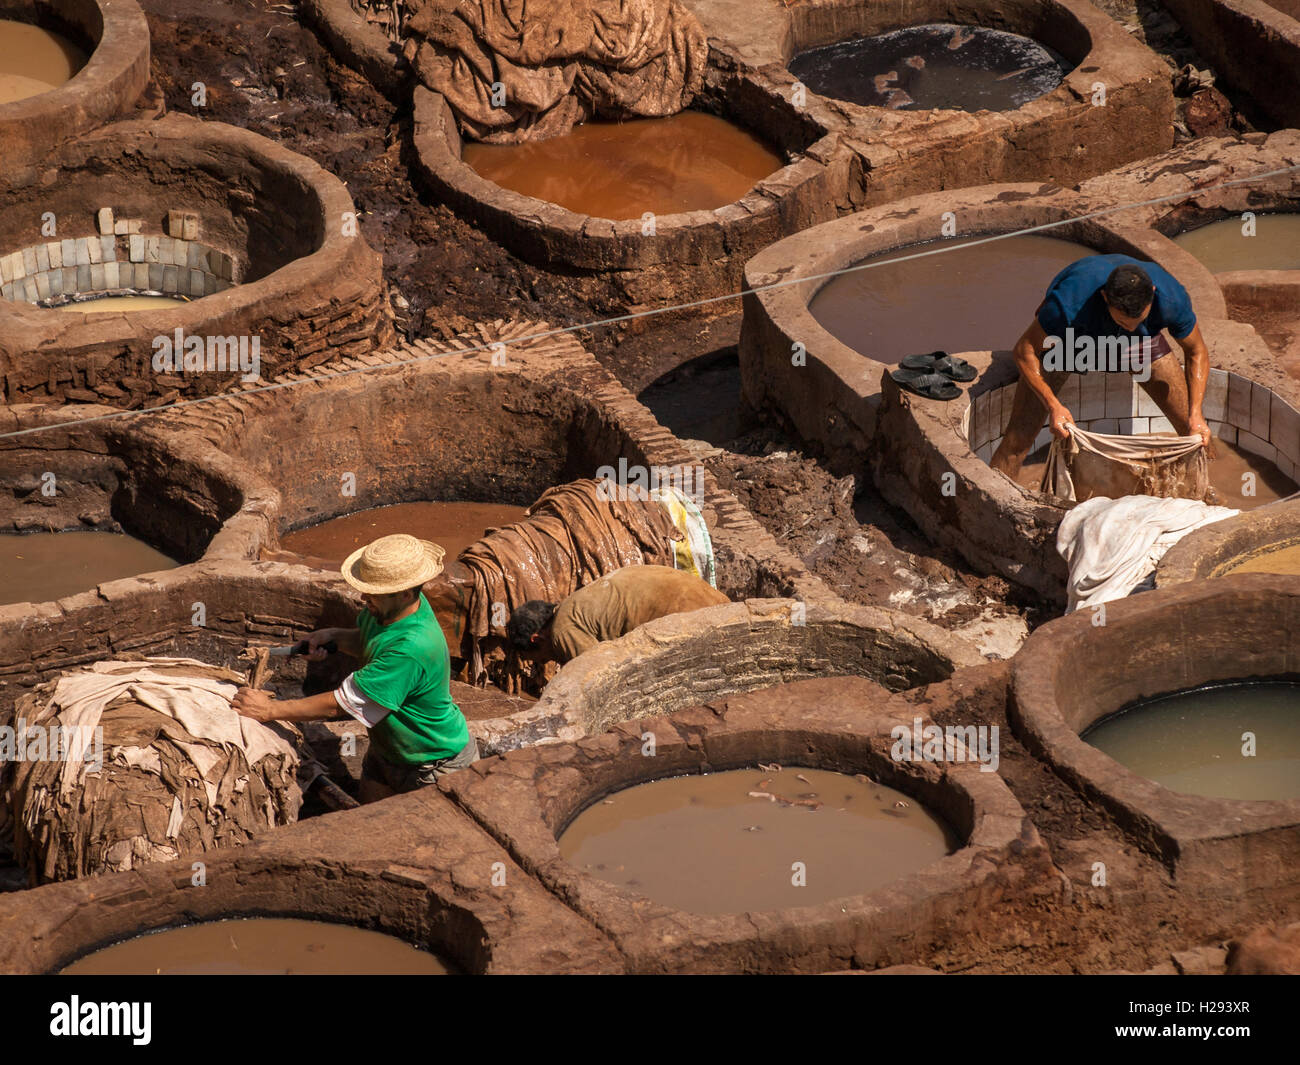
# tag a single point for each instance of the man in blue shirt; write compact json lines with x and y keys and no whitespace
{"x":1099,"y":306}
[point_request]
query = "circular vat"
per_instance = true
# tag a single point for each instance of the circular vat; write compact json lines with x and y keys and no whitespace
{"x":533,"y":800}
{"x":686,"y":659}
{"x":1252,"y":45}
{"x":718,"y":842}
{"x":1231,"y":631}
{"x":1009,"y":527}
{"x":193,"y":212}
{"x":66,"y":66}
{"x":815,"y":327}
{"x":413,"y":868}
{"x":1248,"y":236}
{"x":260,"y":946}
{"x":929,"y":104}
{"x":777,"y":167}
{"x":1265,"y":541}
{"x":939,"y":65}
{"x":86,"y":498}
{"x":505,"y":434}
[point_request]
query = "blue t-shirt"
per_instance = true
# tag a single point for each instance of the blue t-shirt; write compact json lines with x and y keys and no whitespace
{"x":1074,"y":299}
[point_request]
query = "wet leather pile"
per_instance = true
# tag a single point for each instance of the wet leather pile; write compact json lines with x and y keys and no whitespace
{"x":572,"y":536}
{"x":520,"y":70}
{"x":182,"y":772}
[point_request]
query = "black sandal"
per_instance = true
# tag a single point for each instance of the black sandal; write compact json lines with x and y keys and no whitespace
{"x":955,"y":369}
{"x":926,"y":385}
{"x":923,"y":363}
{"x":941,"y":362}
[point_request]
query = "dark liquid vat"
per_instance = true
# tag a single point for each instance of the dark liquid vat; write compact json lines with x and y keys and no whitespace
{"x":940,"y":65}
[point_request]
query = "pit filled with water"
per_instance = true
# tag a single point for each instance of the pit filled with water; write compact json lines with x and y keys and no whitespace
{"x":1282,"y":560}
{"x":940,"y":65}
{"x":39,"y":567}
{"x":1223,"y":246}
{"x":1195,"y":742}
{"x":690,"y":161}
{"x":34,"y":60}
{"x":728,"y":842}
{"x":979,"y":297}
{"x":261,"y":946}
{"x":121,"y":304}
{"x":453,"y":526}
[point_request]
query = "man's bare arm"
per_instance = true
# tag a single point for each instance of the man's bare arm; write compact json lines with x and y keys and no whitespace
{"x":1196,"y":365}
{"x":1028,"y":353}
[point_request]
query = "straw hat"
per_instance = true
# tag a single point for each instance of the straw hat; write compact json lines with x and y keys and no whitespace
{"x":393,"y":564}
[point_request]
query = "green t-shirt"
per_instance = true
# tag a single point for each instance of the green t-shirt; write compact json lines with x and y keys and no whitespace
{"x":407,"y":669}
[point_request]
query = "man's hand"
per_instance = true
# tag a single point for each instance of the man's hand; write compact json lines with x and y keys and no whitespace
{"x":316,"y":642}
{"x":1058,"y":420}
{"x":1197,"y":426}
{"x":255,"y":703}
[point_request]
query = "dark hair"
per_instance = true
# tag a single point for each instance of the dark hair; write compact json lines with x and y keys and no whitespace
{"x":527,"y":621}
{"x":1129,"y":290}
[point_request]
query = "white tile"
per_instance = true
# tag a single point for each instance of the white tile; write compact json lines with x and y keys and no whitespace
{"x":1146,"y":406}
{"x":1238,"y":401}
{"x":1284,"y":429}
{"x":1104,"y":425}
{"x":1162,"y":425}
{"x":1216,"y":396}
{"x":1119,"y":395}
{"x":1228,"y":433}
{"x":1250,"y":442}
{"x":1261,"y":400}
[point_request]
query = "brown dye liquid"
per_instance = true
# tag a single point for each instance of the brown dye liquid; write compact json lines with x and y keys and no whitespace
{"x":262,"y":946}
{"x":705,"y":844}
{"x":34,"y":61}
{"x":979,"y":297}
{"x":1222,"y":246}
{"x":38,"y":567}
{"x":1192,"y":742}
{"x":121,"y":304}
{"x":686,"y":162}
{"x":1226,"y":471}
{"x":1283,"y":560}
{"x":452,"y":526}
{"x":940,"y":65}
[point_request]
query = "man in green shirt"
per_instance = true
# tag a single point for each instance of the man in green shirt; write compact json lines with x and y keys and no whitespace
{"x":402,"y":691}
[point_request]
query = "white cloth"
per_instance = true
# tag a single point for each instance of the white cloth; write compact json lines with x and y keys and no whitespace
{"x":1112,"y":545}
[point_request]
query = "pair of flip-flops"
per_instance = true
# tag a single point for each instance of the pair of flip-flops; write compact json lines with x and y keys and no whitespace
{"x":932,"y":376}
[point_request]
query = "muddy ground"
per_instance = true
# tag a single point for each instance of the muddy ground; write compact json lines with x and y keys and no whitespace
{"x":267,"y":72}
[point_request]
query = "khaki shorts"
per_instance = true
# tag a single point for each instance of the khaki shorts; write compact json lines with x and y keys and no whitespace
{"x":410,"y":777}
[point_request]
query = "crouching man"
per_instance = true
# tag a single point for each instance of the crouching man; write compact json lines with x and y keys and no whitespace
{"x":402,"y":691}
{"x":605,"y":610}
